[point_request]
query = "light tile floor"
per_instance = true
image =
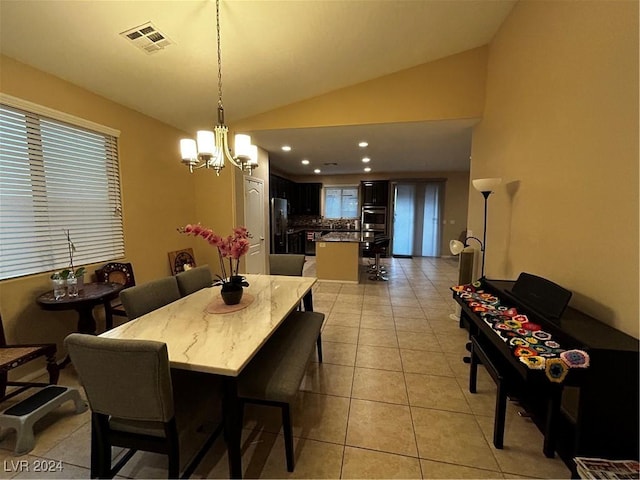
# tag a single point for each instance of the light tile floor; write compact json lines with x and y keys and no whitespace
{"x":390,"y":400}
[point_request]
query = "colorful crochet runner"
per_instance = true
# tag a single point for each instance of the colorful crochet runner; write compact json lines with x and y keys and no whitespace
{"x":534,"y":347}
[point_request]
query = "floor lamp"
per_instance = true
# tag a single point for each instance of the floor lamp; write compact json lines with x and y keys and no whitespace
{"x":485,"y":186}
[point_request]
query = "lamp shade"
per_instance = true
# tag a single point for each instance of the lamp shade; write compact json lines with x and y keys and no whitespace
{"x":253,"y":157}
{"x":242,"y":146}
{"x":456,"y":246}
{"x":486,"y":184}
{"x":206,"y":142}
{"x":188,"y":150}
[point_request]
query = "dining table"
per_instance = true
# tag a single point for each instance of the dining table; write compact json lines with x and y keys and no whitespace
{"x":222,"y":343}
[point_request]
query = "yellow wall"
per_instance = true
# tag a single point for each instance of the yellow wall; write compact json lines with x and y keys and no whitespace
{"x":561,"y":127}
{"x":158,"y":195}
{"x":450,"y":88}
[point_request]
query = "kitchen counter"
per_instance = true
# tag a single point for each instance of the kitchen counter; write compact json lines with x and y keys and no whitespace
{"x":318,"y":228}
{"x":338,"y":257}
{"x":345,"y":236}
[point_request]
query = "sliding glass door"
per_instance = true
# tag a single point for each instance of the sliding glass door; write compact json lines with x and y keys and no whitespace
{"x":404,"y":219}
{"x":417,"y":218}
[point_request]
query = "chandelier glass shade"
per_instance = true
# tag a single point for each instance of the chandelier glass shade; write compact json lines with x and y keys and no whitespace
{"x":211,"y":148}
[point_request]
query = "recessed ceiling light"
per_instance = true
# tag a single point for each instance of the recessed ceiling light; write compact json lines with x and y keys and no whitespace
{"x":363,"y":144}
{"x":317,"y":170}
{"x":367,"y":169}
{"x":286,"y":148}
{"x":305,"y":162}
{"x":366,"y":160}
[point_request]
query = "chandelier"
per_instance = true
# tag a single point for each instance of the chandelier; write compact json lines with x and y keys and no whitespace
{"x":211,"y":148}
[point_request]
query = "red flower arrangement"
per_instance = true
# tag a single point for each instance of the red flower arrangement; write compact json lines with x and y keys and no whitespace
{"x":231,"y":247}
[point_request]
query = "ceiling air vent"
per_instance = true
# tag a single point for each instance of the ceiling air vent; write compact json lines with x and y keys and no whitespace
{"x":147,"y":38}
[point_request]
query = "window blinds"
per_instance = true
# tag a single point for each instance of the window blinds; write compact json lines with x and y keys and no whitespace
{"x":55,"y":177}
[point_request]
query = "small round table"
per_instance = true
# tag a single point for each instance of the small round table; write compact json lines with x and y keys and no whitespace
{"x":92,"y":294}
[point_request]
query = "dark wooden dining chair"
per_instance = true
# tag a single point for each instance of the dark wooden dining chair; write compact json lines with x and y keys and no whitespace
{"x":115,"y":272}
{"x":12,"y":356}
{"x":170,"y":410}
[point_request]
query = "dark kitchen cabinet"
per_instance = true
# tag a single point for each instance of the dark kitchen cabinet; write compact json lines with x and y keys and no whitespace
{"x":304,"y":198}
{"x":280,"y":187}
{"x":296,"y":242}
{"x":275,"y":186}
{"x":374,"y":193}
{"x":307,"y":201}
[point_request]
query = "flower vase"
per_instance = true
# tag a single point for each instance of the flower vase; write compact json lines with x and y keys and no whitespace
{"x":231,"y":293}
{"x":238,"y":280}
{"x":72,"y":286}
{"x":59,"y":290}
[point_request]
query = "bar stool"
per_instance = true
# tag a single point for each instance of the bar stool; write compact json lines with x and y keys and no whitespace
{"x":379,"y":247}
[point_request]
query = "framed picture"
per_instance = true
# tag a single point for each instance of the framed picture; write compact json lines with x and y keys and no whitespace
{"x":181,"y":260}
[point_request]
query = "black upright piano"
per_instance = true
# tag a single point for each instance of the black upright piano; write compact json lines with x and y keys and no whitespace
{"x":597,"y":407}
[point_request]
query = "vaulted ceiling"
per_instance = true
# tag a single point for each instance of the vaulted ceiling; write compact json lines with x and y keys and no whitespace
{"x":274,"y":53}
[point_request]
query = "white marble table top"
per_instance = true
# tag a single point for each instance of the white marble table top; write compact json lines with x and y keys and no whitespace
{"x":218,"y":343}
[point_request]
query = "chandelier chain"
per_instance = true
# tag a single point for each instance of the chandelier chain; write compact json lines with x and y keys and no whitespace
{"x":212,"y":147}
{"x":219,"y":54}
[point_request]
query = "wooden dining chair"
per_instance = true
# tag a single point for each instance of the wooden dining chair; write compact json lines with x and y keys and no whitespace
{"x":194,"y":279}
{"x":15,"y":355}
{"x":150,"y":407}
{"x":150,"y":296}
{"x":117,"y":273}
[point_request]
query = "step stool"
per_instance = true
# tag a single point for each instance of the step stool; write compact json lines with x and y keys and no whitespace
{"x":23,"y":415}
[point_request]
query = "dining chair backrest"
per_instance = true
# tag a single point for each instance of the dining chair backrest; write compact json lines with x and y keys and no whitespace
{"x":284,"y":264}
{"x":194,"y":279}
{"x":150,"y":296}
{"x":15,"y":355}
{"x":113,"y":388}
{"x":116,"y":272}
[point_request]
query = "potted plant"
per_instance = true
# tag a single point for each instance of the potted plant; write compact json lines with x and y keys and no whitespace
{"x":58,"y":284}
{"x":72,"y":277}
{"x":230,"y":248}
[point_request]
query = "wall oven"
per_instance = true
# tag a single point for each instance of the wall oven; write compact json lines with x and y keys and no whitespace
{"x":374,"y":219}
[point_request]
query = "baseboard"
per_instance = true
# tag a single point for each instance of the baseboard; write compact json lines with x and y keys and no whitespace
{"x":30,"y":377}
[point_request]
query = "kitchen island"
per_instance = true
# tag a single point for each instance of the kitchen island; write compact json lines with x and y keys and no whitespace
{"x":338,"y":256}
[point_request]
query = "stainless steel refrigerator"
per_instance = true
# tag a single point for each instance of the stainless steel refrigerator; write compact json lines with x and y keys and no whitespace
{"x":279,"y":225}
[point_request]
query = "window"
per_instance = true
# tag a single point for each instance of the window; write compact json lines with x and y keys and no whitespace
{"x":341,"y":202}
{"x":56,"y":176}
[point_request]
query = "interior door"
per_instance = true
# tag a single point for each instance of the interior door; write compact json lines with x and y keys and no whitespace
{"x":254,"y":221}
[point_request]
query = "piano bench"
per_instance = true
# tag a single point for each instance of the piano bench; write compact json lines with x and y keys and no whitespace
{"x":505,"y":382}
